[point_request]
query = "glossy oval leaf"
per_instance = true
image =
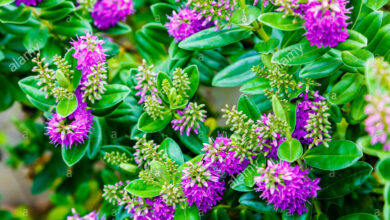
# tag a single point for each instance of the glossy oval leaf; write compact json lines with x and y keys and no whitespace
{"x":280,"y":21}
{"x":339,"y":155}
{"x":298,"y":54}
{"x":149,"y":125}
{"x":211,"y":39}
{"x":140,"y":188}
{"x":172,"y":149}
{"x":248,"y":107}
{"x":346,"y":89}
{"x":74,"y":154}
{"x":290,"y":150}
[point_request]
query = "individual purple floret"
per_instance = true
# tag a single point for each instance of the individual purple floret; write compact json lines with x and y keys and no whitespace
{"x":268,"y":139}
{"x":27,"y":2}
{"x":201,"y":185}
{"x":378,"y":120}
{"x":189,"y":119}
{"x":286,"y":187}
{"x":305,"y":107}
{"x":73,"y":129}
{"x":185,"y":23}
{"x":326,"y":22}
{"x":107,"y":13}
{"x":220,"y":153}
{"x":150,"y":208}
{"x":91,"y":216}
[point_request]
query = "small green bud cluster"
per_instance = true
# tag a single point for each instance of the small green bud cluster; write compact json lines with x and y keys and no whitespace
{"x":94,"y":87}
{"x":319,"y":125}
{"x":54,"y":83}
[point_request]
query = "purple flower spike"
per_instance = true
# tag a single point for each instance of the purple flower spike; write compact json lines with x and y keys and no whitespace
{"x":326,"y":22}
{"x":220,"y":153}
{"x":378,"y":120}
{"x":73,"y":129}
{"x":146,"y":83}
{"x":89,"y":52}
{"x":185,"y":23}
{"x":150,"y":208}
{"x":189,"y":119}
{"x":286,"y":187}
{"x":201,"y":185}
{"x":305,"y":107}
{"x":107,"y":13}
{"x":271,"y":141}
{"x":27,"y":2}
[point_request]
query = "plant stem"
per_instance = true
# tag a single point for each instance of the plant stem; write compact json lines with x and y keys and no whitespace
{"x":260,"y":30}
{"x":317,"y":206}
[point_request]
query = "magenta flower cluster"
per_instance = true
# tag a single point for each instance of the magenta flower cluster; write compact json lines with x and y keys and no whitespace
{"x":185,"y":23}
{"x":286,"y":187}
{"x":107,"y":13}
{"x":221,"y":154}
{"x":73,"y":129}
{"x":89,"y":52}
{"x":201,"y":185}
{"x":27,"y":2}
{"x":305,"y":107}
{"x":270,"y":142}
{"x":326,"y":22}
{"x":378,"y":120}
{"x":150,"y":208}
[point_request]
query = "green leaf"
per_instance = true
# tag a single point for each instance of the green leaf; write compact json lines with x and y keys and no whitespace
{"x":61,"y":79}
{"x":140,"y":188}
{"x":280,"y":21}
{"x":71,"y":26}
{"x":74,"y":154}
{"x":67,"y":106}
{"x":151,"y":50}
{"x":119,"y":29}
{"x":57,"y":12}
{"x":255,"y":86}
{"x":188,"y":213}
{"x":359,"y":216}
{"x":157,"y":32}
{"x":172,"y":149}
{"x":320,"y":68}
{"x":356,"y":8}
{"x":376,"y":4}
{"x":336,"y":184}
{"x":382,"y":167}
{"x":339,"y":155}
{"x":298,"y":54}
{"x":193,"y":75}
{"x":253,"y":202}
{"x":290,"y":150}
{"x":239,"y":184}
{"x":355,"y":41}
{"x":370,"y":24}
{"x":211,"y":39}
{"x":5,"y":2}
{"x":237,"y":73}
{"x":248,"y":107}
{"x":358,"y":105}
{"x":161,"y":10}
{"x":245,"y":15}
{"x":149,"y":125}
{"x":114,"y":95}
{"x":36,"y":39}
{"x":278,"y":109}
{"x":77,"y":74}
{"x":374,"y":150}
{"x":159,"y":172}
{"x":356,"y":58}
{"x":95,"y":139}
{"x":380,"y":37}
{"x":346,"y":89}
{"x":194,"y":142}
{"x":29,"y":86}
{"x":18,"y":15}
{"x":268,"y":46}
{"x":48,"y":3}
